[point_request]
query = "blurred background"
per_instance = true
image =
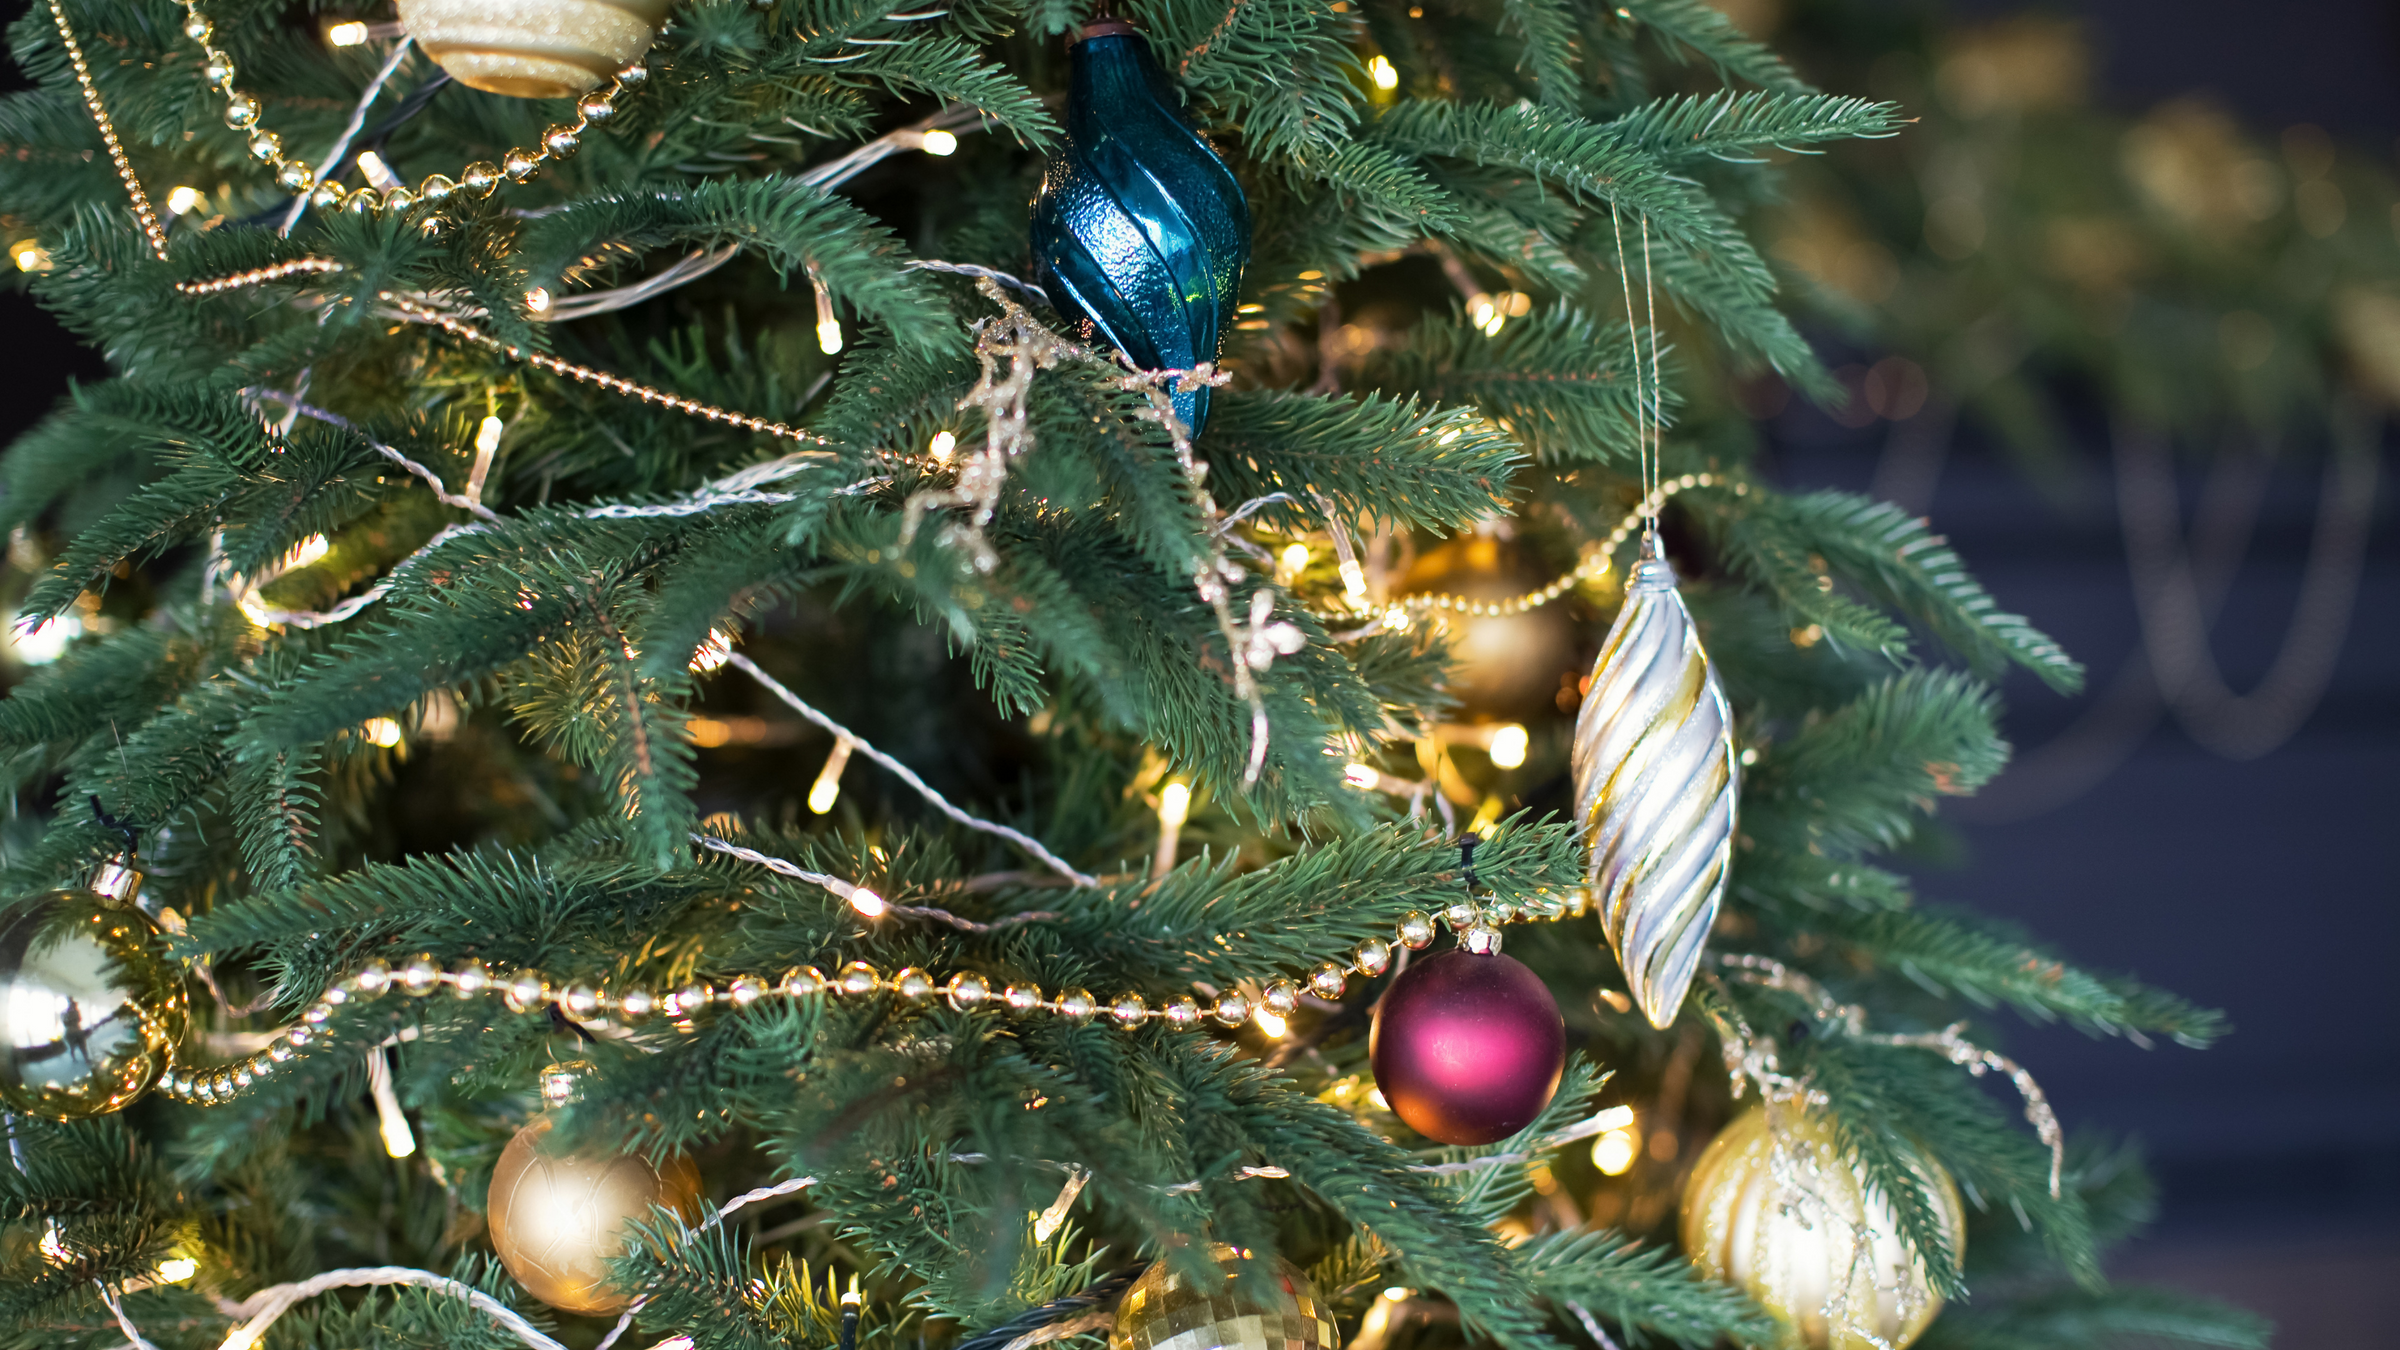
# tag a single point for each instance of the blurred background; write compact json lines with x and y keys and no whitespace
{"x":2121,"y":313}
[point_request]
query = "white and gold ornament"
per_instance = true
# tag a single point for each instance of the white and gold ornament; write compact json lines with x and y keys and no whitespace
{"x":1775,"y":1209}
{"x":1655,"y":785}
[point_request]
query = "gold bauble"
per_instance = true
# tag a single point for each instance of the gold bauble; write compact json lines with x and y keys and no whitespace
{"x":1503,"y":667}
{"x":90,"y":1009}
{"x":557,"y":1218}
{"x":533,"y":48}
{"x":1275,"y":1308}
{"x":1774,"y":1209}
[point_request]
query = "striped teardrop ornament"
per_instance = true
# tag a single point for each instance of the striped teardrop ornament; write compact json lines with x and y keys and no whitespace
{"x":533,"y":48}
{"x":1655,"y":782}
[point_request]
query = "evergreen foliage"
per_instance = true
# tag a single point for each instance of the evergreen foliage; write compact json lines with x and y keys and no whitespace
{"x":535,"y":637}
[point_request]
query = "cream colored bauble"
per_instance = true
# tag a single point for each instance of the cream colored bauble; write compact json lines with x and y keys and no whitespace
{"x":533,"y":48}
{"x":1774,"y":1209}
{"x":558,"y":1217}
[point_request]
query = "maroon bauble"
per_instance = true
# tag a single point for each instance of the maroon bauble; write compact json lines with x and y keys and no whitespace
{"x":1466,"y":1048}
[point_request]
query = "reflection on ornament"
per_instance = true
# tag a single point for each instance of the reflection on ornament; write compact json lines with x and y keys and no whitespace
{"x":1140,"y":229}
{"x":1655,"y":783}
{"x":533,"y":48}
{"x":1467,"y":1048}
{"x":90,"y":1008}
{"x":1774,"y":1208}
{"x":1503,"y":667}
{"x":557,"y":1218}
{"x":1243,"y":1307}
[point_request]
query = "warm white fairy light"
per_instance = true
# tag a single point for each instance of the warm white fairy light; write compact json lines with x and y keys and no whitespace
{"x":829,"y":325}
{"x":714,"y":653}
{"x":1613,"y":1152}
{"x":1174,"y":804}
{"x":307,"y":552}
{"x":183,"y":199}
{"x":939,"y":143}
{"x":942,"y":448}
{"x":1293,"y":562}
{"x":1354,"y":579}
{"x":868,"y":903}
{"x":538,"y":300}
{"x":828,"y":788}
{"x":29,"y":256}
{"x":398,"y":1140}
{"x":380,"y":731}
{"x":1381,"y":70}
{"x":1508,"y":745}
{"x":1361,"y":776}
{"x":351,"y":34}
{"x":177,"y":1269}
{"x":1271,"y":1023}
{"x":45,"y":644}
{"x":1396,"y":1293}
{"x":378,"y":173}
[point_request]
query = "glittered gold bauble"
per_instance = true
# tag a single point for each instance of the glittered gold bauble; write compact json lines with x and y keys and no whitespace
{"x":90,"y":1008}
{"x":1774,"y":1208}
{"x":1271,"y":1308}
{"x":558,"y":1217}
{"x":533,"y":48}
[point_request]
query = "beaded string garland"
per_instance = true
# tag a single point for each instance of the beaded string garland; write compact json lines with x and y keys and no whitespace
{"x":529,"y":992}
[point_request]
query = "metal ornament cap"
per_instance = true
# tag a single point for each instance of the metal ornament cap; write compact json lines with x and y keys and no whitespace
{"x":1656,"y":781}
{"x":1467,"y":1048}
{"x":1139,"y":227}
{"x":91,"y":1009}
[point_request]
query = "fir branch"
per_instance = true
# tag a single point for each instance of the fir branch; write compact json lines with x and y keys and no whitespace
{"x":1693,"y":26}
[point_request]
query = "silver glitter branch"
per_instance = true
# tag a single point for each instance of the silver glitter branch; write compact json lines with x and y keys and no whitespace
{"x":1950,"y":1042}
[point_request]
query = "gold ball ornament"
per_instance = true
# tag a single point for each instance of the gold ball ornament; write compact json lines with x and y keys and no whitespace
{"x":90,"y":1008}
{"x":1274,"y":1308}
{"x":1773,"y":1208}
{"x":533,"y":48}
{"x":558,"y":1217}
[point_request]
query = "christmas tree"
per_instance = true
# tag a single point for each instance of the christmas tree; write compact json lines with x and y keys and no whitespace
{"x":687,"y":726}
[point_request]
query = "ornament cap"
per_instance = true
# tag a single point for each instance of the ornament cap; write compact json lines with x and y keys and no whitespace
{"x":1110,"y":26}
{"x":117,"y":879}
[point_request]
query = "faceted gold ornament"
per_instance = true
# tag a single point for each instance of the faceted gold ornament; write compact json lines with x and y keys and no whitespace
{"x":533,"y":48}
{"x":91,"y":1009}
{"x":1655,"y":783}
{"x":557,"y":1218}
{"x":1266,"y":1308}
{"x":1774,"y":1208}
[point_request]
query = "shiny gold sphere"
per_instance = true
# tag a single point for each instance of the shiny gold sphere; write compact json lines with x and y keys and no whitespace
{"x":1773,"y":1208}
{"x":90,"y":1008}
{"x":1266,"y":1308}
{"x":558,"y":1217}
{"x":533,"y":48}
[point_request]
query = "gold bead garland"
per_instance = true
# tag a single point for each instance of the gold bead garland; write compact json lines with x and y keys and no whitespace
{"x":1595,"y":563}
{"x":294,"y":175}
{"x":529,"y":992}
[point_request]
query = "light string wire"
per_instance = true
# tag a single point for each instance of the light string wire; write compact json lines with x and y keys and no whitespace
{"x":350,"y":130}
{"x":909,"y":776}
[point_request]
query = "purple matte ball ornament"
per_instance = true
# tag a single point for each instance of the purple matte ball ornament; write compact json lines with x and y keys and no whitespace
{"x":1468,"y":1049}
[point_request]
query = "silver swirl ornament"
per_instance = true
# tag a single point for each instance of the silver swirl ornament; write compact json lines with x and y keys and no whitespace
{"x":1655,"y":783}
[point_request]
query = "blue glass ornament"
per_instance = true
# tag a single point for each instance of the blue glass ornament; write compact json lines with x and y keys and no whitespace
{"x":1140,"y":229}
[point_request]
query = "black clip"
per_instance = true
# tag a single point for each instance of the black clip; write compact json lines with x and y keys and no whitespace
{"x":131,"y":831}
{"x":1466,"y":857}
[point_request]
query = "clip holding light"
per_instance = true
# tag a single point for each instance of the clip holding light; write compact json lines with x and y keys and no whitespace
{"x":398,"y":1140}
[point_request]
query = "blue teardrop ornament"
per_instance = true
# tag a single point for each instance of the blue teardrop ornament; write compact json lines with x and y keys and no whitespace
{"x":1139,"y":227}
